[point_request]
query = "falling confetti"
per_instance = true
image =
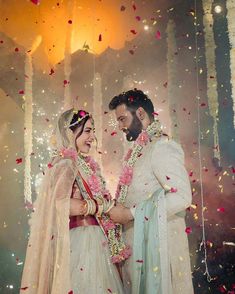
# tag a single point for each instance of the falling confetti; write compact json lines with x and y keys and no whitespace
{"x":158,"y":35}
{"x":133,"y":32}
{"x":19,"y":160}
{"x":36,"y":2}
{"x":100,"y":38}
{"x":113,"y":133}
{"x":51,"y":72}
{"x":188,"y":230}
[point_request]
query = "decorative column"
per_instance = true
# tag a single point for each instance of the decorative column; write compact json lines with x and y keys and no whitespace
{"x":68,"y":101}
{"x":172,"y":79}
{"x":28,"y":120}
{"x":231,"y":33}
{"x":212,"y":93}
{"x":98,"y":114}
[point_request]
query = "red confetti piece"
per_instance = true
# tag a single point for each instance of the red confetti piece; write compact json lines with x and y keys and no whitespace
{"x":203,"y":104}
{"x":122,"y":8}
{"x":140,"y":261}
{"x":16,"y":49}
{"x":51,"y":72}
{"x":109,"y":290}
{"x":158,"y":35}
{"x":138,"y":18}
{"x":133,"y":32}
{"x":49,"y":165}
{"x":36,"y":2}
{"x":222,"y":289}
{"x":70,"y":21}
{"x":1,"y":41}
{"x":131,"y":52}
{"x":233,"y":170}
{"x":81,"y":269}
{"x":221,"y":209}
{"x":52,"y":237}
{"x":24,"y":288}
{"x":165,"y":84}
{"x":21,"y":92}
{"x":146,"y":218}
{"x":70,"y":292}
{"x":188,"y":230}
{"x":168,"y":178}
{"x":100,"y":38}
{"x":113,"y":133}
{"x":191,"y":174}
{"x":19,"y":160}
{"x":131,"y":98}
{"x":65,"y":82}
{"x":173,"y":190}
{"x":134,"y":7}
{"x":155,"y":113}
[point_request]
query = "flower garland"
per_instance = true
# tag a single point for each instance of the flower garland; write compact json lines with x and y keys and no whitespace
{"x":131,"y":157}
{"x":119,"y":251}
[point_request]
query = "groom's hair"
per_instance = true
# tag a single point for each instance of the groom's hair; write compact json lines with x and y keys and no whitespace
{"x":133,"y":99}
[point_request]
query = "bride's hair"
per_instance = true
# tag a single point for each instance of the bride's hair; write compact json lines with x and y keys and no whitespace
{"x":79,"y":119}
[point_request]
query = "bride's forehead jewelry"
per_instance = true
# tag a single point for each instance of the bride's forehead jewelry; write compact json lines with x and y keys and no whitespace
{"x":82,"y":115}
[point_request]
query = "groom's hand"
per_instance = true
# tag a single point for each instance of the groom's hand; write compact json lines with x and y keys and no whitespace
{"x":120,"y":214}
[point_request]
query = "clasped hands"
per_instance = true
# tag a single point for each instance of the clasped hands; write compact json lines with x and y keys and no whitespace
{"x":120,"y":214}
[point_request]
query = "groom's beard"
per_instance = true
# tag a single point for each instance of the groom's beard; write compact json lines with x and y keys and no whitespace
{"x":134,"y":129}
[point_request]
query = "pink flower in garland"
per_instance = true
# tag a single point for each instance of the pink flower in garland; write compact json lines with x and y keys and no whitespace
{"x":143,"y":139}
{"x":128,"y":155}
{"x":92,"y":163}
{"x":116,"y":259}
{"x":69,"y":152}
{"x":126,"y":175}
{"x":94,"y":184}
{"x":125,"y":253}
{"x":108,"y":225}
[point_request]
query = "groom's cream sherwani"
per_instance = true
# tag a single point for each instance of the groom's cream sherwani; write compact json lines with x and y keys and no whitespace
{"x":161,"y":164}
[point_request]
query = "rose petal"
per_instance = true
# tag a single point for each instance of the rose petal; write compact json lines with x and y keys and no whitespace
{"x":188,"y":230}
{"x":51,"y":72}
{"x":173,"y":190}
{"x":133,"y":32}
{"x":19,"y":160}
{"x":158,"y":35}
{"x":36,"y":2}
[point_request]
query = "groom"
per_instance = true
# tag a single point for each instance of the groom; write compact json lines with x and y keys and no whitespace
{"x":155,"y":191}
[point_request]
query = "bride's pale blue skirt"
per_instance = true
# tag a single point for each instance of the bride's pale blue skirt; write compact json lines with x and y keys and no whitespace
{"x":91,"y":269}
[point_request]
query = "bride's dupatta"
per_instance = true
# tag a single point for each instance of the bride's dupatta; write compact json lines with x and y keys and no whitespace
{"x":47,"y":264}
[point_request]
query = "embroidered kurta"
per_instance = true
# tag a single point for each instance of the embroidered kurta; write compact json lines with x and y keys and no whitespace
{"x":161,"y":165}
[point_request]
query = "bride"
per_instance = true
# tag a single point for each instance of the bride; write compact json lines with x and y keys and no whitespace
{"x":73,"y":244}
